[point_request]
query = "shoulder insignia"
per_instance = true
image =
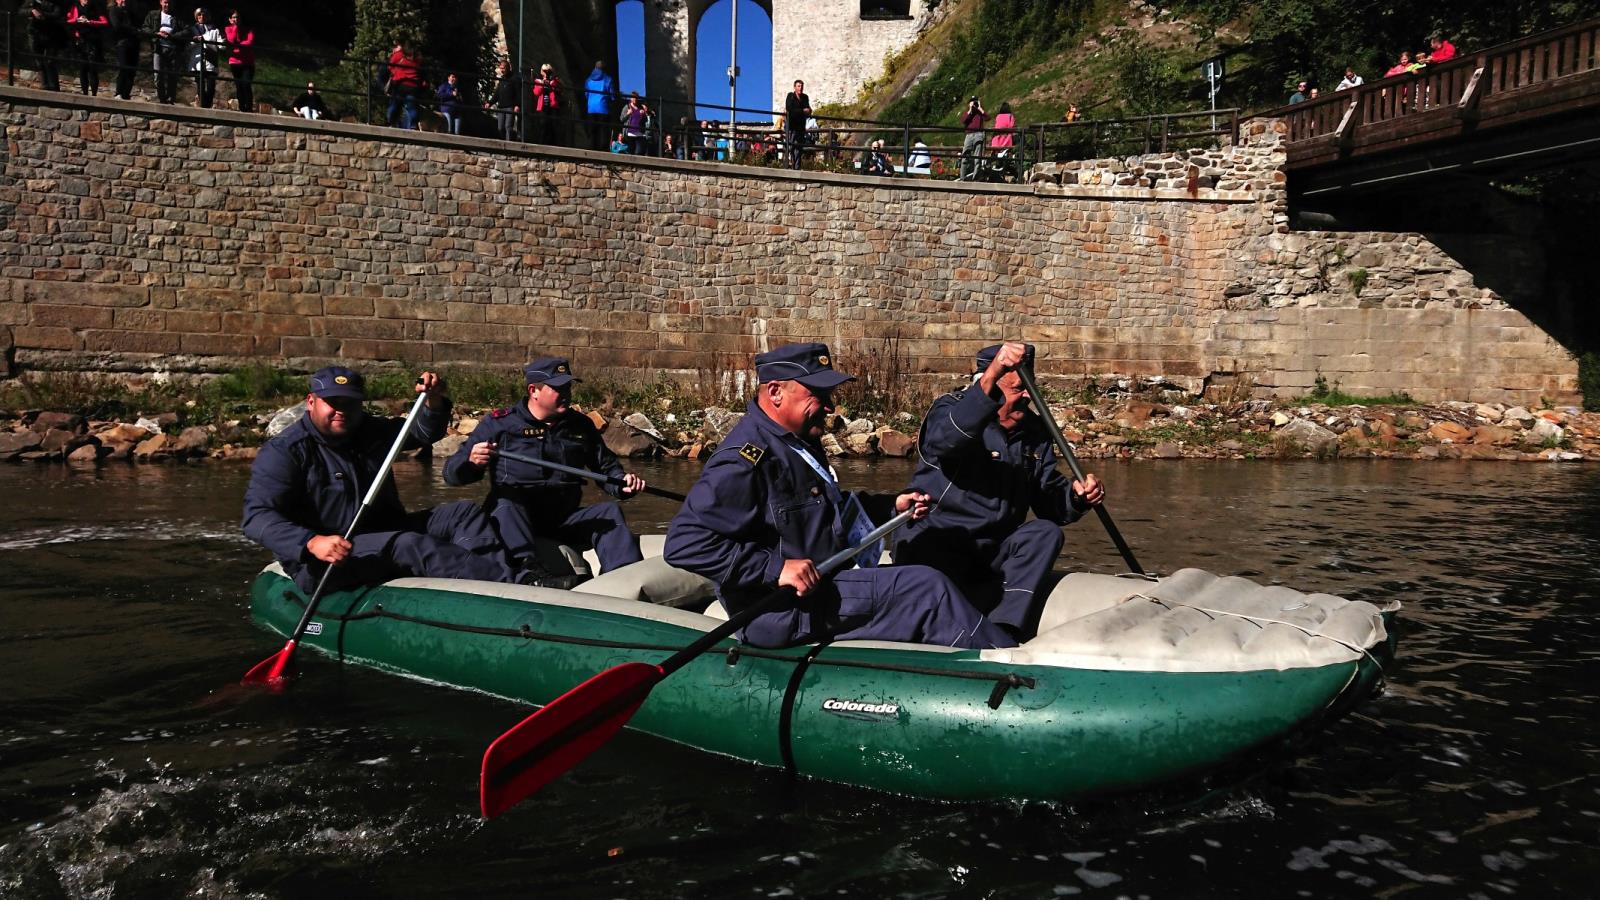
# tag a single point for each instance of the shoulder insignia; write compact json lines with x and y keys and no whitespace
{"x":751,"y":454}
{"x":500,"y":413}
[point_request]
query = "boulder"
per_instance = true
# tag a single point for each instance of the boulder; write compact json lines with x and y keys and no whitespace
{"x":1167,"y":450}
{"x":46,"y":421}
{"x":859,"y":444}
{"x":641,"y":423}
{"x":1281,"y":418}
{"x":191,"y":441}
{"x":1136,"y":413}
{"x":1517,"y":416}
{"x":1309,"y":435}
{"x":1493,"y":434}
{"x":1490,"y":412}
{"x":16,"y":443}
{"x":1545,"y":430}
{"x":88,"y":453}
{"x":465,"y":424}
{"x":626,"y":441}
{"x":832,"y":447}
{"x":1450,"y":432}
{"x":446,"y":446}
{"x":122,"y":433}
{"x":155,"y":448}
{"x":57,"y":440}
{"x":718,"y":422}
{"x":595,"y":416}
{"x":280,"y":420}
{"x":858,"y":426}
{"x":893,"y":443}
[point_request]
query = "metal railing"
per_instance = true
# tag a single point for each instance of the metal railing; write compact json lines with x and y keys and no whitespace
{"x":673,"y":127}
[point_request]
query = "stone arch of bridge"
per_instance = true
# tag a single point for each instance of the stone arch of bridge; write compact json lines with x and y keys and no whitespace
{"x":697,"y":10}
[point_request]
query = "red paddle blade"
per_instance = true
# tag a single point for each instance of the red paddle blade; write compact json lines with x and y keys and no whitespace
{"x":560,"y":735}
{"x":272,"y":671}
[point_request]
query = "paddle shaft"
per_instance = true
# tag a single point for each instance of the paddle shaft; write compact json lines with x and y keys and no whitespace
{"x":1026,"y":374}
{"x":584,"y":473}
{"x":372,"y":493}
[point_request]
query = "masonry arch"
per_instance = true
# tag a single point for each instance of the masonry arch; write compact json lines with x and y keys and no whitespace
{"x":755,"y":91}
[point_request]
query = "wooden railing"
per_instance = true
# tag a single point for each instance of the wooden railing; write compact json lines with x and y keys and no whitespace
{"x":1461,"y":85}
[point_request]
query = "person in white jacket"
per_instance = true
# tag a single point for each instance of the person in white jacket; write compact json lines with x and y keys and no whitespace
{"x":205,"y":51}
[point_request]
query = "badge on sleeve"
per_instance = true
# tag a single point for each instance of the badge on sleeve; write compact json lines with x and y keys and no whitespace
{"x":751,"y":454}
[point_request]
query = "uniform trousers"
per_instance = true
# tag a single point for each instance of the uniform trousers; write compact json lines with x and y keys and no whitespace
{"x":915,"y":604}
{"x":453,"y":540}
{"x":1005,"y":578}
{"x":601,"y":527}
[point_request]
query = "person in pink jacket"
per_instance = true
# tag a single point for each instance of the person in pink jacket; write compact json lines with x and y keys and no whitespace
{"x":241,"y":60}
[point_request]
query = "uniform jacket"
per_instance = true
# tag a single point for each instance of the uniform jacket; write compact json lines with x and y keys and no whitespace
{"x":303,"y":485}
{"x":756,"y":504}
{"x":569,"y":438}
{"x":983,"y":479}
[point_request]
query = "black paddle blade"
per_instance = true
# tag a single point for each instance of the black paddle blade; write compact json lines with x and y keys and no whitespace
{"x":560,"y":735}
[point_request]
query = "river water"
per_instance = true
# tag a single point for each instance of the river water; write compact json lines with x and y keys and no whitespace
{"x":129,"y":766}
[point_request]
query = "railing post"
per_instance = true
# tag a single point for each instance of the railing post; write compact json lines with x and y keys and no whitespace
{"x":661,"y":110}
{"x":905,"y":160}
{"x":372,"y":76}
{"x":11,"y":53}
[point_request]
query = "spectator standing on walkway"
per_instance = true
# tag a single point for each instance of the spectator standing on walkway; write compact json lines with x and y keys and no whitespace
{"x":920,"y":162}
{"x":162,"y":26}
{"x":506,"y":101}
{"x":87,"y":21}
{"x":1072,"y":114}
{"x":972,"y":146}
{"x":1350,"y":80}
{"x":796,"y":110}
{"x":635,"y":119}
{"x":1400,"y":68}
{"x":405,"y":80}
{"x":309,"y":105}
{"x":599,"y":98}
{"x":1299,"y":95}
{"x":47,"y":35}
{"x":1004,"y":129}
{"x":449,"y":97}
{"x":124,"y":33}
{"x":547,"y":106}
{"x":205,"y":52}
{"x":241,"y":61}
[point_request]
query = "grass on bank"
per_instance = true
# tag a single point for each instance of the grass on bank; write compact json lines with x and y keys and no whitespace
{"x":1330,"y":395}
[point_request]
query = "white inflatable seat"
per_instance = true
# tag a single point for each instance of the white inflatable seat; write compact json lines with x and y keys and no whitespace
{"x":651,"y":580}
{"x":1194,"y":621}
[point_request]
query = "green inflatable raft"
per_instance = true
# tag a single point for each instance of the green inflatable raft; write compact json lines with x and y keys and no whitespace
{"x":1130,"y":682}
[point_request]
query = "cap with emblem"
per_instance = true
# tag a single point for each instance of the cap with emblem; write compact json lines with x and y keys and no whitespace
{"x":554,"y":371}
{"x":987,"y":355}
{"x":334,"y":382}
{"x":808,"y":364}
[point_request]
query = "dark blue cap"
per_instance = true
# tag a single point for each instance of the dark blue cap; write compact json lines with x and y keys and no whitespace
{"x":554,"y":371}
{"x":987,"y":355}
{"x":333,"y":382}
{"x":808,"y":364}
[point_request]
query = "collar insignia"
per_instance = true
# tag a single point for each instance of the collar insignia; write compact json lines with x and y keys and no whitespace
{"x":751,"y":454}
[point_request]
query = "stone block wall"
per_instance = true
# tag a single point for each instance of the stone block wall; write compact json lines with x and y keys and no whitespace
{"x":136,"y":238}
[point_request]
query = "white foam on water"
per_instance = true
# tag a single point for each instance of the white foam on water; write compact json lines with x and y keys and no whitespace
{"x":155,"y":530}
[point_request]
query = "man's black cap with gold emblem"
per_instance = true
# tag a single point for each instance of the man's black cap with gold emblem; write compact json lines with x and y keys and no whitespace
{"x":554,"y":371}
{"x":809,"y":364}
{"x":336,"y":382}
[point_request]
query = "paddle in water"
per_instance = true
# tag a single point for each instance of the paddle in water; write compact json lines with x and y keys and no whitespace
{"x":1025,"y":373}
{"x":584,"y":473}
{"x":272,"y":671}
{"x":575,"y":724}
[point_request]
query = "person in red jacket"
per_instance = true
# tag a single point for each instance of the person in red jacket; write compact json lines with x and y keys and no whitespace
{"x":241,"y":60}
{"x":86,"y":23}
{"x":405,"y":80}
{"x":546,"y":106}
{"x":1441,"y":49}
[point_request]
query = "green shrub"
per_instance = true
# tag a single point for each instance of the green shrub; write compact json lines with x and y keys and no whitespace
{"x":1589,"y":380}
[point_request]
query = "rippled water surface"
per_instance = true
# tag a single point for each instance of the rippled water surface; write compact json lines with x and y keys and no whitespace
{"x":129,"y":766}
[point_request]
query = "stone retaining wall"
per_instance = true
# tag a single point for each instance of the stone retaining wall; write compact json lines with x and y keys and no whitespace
{"x":134,"y":237}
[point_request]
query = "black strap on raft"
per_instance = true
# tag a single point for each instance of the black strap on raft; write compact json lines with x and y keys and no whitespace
{"x":786,"y":715}
{"x":1003,"y":682}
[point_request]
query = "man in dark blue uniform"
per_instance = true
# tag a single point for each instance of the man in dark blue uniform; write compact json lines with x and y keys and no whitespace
{"x":986,"y":459}
{"x":528,"y":501}
{"x":309,"y":481}
{"x":767,"y":506}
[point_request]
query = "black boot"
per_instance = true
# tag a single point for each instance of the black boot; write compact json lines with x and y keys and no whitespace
{"x":535,"y":575}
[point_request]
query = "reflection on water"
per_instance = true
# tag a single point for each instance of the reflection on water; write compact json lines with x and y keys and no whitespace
{"x":130,"y":767}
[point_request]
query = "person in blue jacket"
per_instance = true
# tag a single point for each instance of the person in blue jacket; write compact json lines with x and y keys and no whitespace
{"x":987,"y":459}
{"x":600,"y":98}
{"x":308,"y":482}
{"x":768,"y":507}
{"x":528,"y":501}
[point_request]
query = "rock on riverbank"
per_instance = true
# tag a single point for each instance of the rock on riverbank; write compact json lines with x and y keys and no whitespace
{"x":1111,"y":427}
